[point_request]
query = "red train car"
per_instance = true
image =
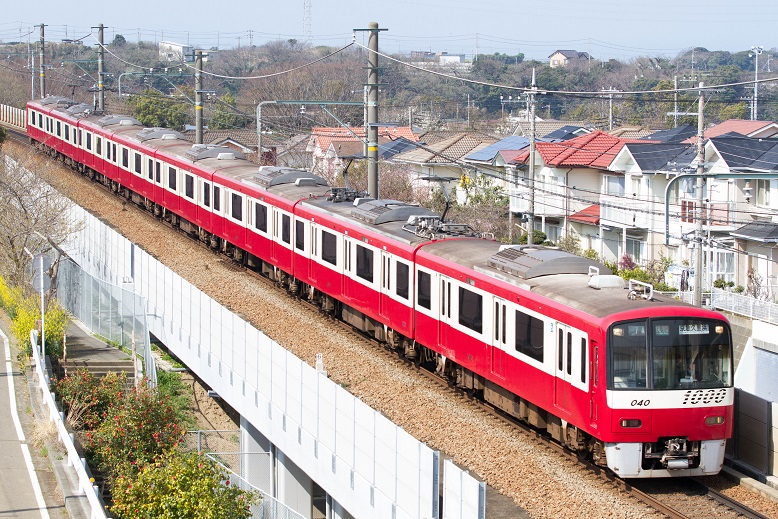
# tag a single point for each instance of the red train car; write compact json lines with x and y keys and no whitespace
{"x":637,"y":381}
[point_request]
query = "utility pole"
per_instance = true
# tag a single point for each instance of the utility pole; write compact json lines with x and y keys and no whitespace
{"x":531,"y":169}
{"x":31,"y":61}
{"x":100,"y":70}
{"x":756,"y":52}
{"x":43,"y":70}
{"x":372,"y":108}
{"x":675,"y":100}
{"x":198,"y":97}
{"x":700,"y":198}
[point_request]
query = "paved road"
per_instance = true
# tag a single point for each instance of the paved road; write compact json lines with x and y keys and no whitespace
{"x":20,"y":492}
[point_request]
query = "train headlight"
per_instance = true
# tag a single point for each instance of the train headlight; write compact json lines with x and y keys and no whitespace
{"x":631,"y":422}
{"x":714,"y":420}
{"x":719,"y":330}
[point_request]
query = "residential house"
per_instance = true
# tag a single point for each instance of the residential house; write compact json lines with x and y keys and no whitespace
{"x":755,"y":129}
{"x":544,"y":128}
{"x":244,"y":141}
{"x":562,"y":58}
{"x":631,"y":132}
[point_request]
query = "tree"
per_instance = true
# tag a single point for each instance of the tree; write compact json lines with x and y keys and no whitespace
{"x":119,"y":41}
{"x":225,"y":116}
{"x":181,"y":486}
{"x":154,"y":109}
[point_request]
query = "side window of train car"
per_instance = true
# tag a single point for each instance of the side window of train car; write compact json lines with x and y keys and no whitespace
{"x":59,"y":129}
{"x":172,"y":174}
{"x":158,"y":171}
{"x":207,"y":194}
{"x":584,"y":363}
{"x":529,"y":336}
{"x":217,"y":198}
{"x":299,"y":235}
{"x":125,"y":158}
{"x":138,"y":163}
{"x":286,"y":228}
{"x":236,"y":207}
{"x":113,"y":152}
{"x":260,"y":217}
{"x":365,"y":263}
{"x":471,"y":309}
{"x":189,"y":190}
{"x":329,"y":247}
{"x":402,"y":275}
{"x":424,"y":290}
{"x":67,"y":132}
{"x":88,"y":141}
{"x":150,"y":168}
{"x":99,"y":146}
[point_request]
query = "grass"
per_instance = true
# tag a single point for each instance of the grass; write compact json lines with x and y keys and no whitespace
{"x":169,"y":385}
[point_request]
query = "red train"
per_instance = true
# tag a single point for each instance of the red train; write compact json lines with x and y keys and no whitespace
{"x":638,"y":382}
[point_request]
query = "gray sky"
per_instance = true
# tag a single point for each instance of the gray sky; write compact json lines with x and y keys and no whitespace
{"x":606,"y":29}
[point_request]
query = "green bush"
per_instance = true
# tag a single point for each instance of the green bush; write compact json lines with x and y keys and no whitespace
{"x":90,"y":396}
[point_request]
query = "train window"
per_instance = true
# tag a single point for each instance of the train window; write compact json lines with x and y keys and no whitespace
{"x":88,"y":141}
{"x":286,"y":228}
{"x":236,"y":207}
{"x":59,"y":129}
{"x":561,"y":349}
{"x":569,"y":353}
{"x":113,"y":147}
{"x":260,"y":217}
{"x":67,"y":132}
{"x":125,"y":158}
{"x":471,"y":309}
{"x":158,"y":172}
{"x":583,"y":359}
{"x":402,"y":275}
{"x":138,"y":164}
{"x":80,"y":132}
{"x":424,"y":290}
{"x":496,"y":321}
{"x":365,"y":263}
{"x":150,"y":169}
{"x":629,"y":357}
{"x":172,"y":173}
{"x":206,"y":194}
{"x":329,"y":247}
{"x":529,"y":336}
{"x":299,"y":235}
{"x":99,"y":146}
{"x":217,"y":199}
{"x":504,"y":320}
{"x":189,"y":186}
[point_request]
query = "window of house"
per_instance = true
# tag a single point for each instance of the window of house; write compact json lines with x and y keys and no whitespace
{"x":424,"y":290}
{"x":402,"y":273}
{"x":614,"y":185}
{"x":471,"y":311}
{"x":529,"y":336}
{"x":365,"y":263}
{"x":635,"y":248}
{"x":299,"y":235}
{"x":763,"y":191}
{"x":329,"y":247}
{"x":260,"y":217}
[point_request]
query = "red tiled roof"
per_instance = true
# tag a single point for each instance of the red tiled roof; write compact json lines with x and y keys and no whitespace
{"x":324,"y":136}
{"x":590,"y":215}
{"x":596,"y":150}
{"x":741,"y":126}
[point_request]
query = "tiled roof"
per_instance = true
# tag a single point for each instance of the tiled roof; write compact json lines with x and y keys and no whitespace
{"x":433,"y":136}
{"x":543,"y":128}
{"x":678,"y":134}
{"x":247,"y":138}
{"x":766,"y":232}
{"x":324,"y":136}
{"x":590,"y":215}
{"x":447,"y":150}
{"x":748,"y":153}
{"x":488,"y":153}
{"x":741,"y":126}
{"x":596,"y":150}
{"x":631,"y":132}
{"x":660,"y":156}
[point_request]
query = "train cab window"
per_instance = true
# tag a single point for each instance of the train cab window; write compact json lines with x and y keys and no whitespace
{"x":125,"y":158}
{"x":138,"y":164}
{"x":286,"y":228}
{"x":329,"y":247}
{"x":217,"y":198}
{"x":236,"y":207}
{"x":365,"y":263}
{"x":424,"y":290}
{"x":172,"y":173}
{"x":529,"y":336}
{"x":189,"y":186}
{"x":260,"y":217}
{"x":402,"y":274}
{"x":629,"y":355}
{"x":471,"y":309}
{"x":299,"y":235}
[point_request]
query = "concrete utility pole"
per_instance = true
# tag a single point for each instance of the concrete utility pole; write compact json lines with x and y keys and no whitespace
{"x":372,"y":110}
{"x":756,"y":52}
{"x":531,"y":169}
{"x":700,"y":198}
{"x":43,"y":70}
{"x":199,"y":97}
{"x":100,"y":70}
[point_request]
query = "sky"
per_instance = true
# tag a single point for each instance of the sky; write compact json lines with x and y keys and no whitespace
{"x":606,"y":29}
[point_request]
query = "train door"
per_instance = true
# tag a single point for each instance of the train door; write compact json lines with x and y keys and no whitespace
{"x":499,"y":336}
{"x":563,"y":366}
{"x":445,"y":311}
{"x":348,"y":266}
{"x":386,"y":285}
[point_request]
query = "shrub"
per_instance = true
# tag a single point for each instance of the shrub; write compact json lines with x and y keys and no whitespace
{"x":181,"y":486}
{"x":93,"y":397}
{"x":591,"y":254}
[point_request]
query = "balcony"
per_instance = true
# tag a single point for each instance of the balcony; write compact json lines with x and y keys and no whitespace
{"x":546,"y":204}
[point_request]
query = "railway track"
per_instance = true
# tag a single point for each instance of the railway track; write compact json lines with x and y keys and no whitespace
{"x":656,"y":499}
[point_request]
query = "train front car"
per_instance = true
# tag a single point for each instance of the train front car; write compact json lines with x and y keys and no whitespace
{"x":669,"y":394}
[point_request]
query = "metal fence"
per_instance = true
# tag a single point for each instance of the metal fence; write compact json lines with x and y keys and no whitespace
{"x":115,"y":313}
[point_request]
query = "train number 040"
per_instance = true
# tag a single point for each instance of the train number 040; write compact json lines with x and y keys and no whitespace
{"x":640,"y":403}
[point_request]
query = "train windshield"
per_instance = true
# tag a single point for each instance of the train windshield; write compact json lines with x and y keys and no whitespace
{"x":670,"y":354}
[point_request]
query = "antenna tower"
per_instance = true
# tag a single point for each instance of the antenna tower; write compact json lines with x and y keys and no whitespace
{"x":307,"y":20}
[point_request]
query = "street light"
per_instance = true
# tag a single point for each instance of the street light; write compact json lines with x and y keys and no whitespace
{"x":756,"y":51}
